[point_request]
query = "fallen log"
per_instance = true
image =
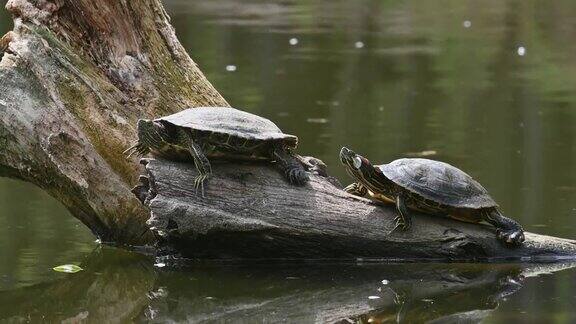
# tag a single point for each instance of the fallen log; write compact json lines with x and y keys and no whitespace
{"x":249,"y":211}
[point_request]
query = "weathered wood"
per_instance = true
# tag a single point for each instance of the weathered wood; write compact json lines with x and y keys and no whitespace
{"x":249,"y":211}
{"x":75,"y":77}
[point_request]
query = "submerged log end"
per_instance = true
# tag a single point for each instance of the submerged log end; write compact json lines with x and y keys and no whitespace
{"x":250,"y":211}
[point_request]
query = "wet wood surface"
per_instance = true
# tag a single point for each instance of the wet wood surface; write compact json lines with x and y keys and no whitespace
{"x":250,"y":211}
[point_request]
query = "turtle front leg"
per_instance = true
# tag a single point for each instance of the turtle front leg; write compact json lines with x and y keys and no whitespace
{"x":404,"y":219}
{"x":508,"y":230}
{"x":201,"y":162}
{"x":356,"y":189}
{"x":291,"y":167}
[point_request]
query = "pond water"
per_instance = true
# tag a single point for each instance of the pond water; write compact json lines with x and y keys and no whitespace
{"x":489,"y":86}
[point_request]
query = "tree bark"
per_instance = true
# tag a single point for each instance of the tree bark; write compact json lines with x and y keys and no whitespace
{"x":250,"y":211}
{"x":75,"y":77}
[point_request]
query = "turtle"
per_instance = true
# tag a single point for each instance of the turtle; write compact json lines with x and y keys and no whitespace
{"x":431,"y":187}
{"x":203,"y":133}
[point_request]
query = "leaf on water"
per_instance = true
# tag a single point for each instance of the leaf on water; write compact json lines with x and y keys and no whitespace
{"x":67,"y":268}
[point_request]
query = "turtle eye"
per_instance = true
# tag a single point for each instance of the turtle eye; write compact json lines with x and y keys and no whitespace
{"x":357,"y":162}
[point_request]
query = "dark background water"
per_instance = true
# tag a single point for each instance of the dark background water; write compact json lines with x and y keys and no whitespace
{"x":489,"y":86}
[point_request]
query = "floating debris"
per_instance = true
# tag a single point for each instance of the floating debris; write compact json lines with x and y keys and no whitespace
{"x":521,"y":51}
{"x":385,"y":282}
{"x":293,"y":41}
{"x":67,"y":268}
{"x":230,"y":68}
{"x":160,"y":265}
{"x":373,"y":297}
{"x":317,"y":120}
{"x":422,"y":153}
{"x":467,"y":24}
{"x":359,"y":44}
{"x":161,"y":292}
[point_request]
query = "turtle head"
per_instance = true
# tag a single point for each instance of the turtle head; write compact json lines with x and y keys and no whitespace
{"x":144,"y":126}
{"x":355,"y":164}
{"x":147,"y":138}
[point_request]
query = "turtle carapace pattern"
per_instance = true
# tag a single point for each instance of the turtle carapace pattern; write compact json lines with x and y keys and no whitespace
{"x":431,"y":187}
{"x":203,"y":133}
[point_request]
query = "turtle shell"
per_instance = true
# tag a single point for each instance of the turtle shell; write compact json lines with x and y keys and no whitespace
{"x":229,"y":121}
{"x":439,"y":182}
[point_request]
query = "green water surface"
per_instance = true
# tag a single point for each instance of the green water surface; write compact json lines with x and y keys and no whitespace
{"x":489,"y":86}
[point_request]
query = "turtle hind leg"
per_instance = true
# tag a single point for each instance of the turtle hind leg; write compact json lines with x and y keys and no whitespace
{"x":291,"y":167}
{"x":200,"y":161}
{"x":508,"y":230}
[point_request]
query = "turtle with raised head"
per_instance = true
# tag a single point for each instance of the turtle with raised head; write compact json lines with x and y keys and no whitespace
{"x":203,"y":133}
{"x":431,"y":187}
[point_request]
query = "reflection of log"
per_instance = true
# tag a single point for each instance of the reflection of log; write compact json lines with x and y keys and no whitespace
{"x":251,"y":212}
{"x":119,"y":286}
{"x":318,"y":293}
{"x":75,"y":77}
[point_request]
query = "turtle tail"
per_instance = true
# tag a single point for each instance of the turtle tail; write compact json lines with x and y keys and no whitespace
{"x":291,"y":167}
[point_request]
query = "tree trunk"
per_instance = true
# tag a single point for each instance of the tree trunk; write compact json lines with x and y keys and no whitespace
{"x":252,"y":212}
{"x":75,"y":77}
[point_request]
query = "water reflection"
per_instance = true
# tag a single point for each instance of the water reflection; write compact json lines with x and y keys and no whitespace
{"x":112,"y":288}
{"x":330,"y":293}
{"x":120,"y":286}
{"x":442,"y":79}
{"x":36,"y":234}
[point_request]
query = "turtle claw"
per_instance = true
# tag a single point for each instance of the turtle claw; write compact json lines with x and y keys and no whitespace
{"x":511,"y":237}
{"x":199,"y":184}
{"x":301,"y":177}
{"x":297,"y":177}
{"x":400,"y":224}
{"x":137,"y":149}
